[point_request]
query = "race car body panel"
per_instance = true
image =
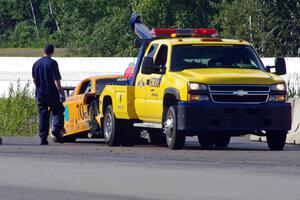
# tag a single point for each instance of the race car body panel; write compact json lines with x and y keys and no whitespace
{"x":77,"y":105}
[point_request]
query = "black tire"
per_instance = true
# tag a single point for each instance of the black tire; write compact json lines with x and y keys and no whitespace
{"x":93,"y":124}
{"x":175,"y":139}
{"x":156,"y":137}
{"x":112,"y":128}
{"x":222,"y":141}
{"x":0,"y":141}
{"x":276,"y":140}
{"x":206,"y":140}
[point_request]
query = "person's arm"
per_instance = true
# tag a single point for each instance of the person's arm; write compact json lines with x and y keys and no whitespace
{"x":58,"y":86}
{"x":62,"y":95}
{"x":56,"y":77}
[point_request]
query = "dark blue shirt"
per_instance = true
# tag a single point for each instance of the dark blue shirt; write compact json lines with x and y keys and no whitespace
{"x":44,"y":72}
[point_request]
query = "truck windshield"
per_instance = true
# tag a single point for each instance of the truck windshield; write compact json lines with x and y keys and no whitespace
{"x":226,"y":56}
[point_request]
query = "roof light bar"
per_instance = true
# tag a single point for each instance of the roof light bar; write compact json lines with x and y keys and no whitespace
{"x":166,"y":32}
{"x":209,"y":31}
{"x":158,"y":32}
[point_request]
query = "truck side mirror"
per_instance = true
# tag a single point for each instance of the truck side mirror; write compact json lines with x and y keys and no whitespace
{"x":147,"y":66}
{"x":280,"y":66}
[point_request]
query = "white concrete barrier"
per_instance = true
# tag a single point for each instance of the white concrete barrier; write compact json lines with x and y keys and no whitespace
{"x":72,"y":69}
{"x":75,"y":69}
{"x":294,"y":136}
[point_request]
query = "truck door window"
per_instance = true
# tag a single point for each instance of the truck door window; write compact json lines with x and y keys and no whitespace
{"x":161,"y":58}
{"x":152,"y":50}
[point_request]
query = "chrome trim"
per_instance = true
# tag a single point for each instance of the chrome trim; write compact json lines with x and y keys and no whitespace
{"x":221,"y":102}
{"x":224,"y":91}
{"x":231,"y":93}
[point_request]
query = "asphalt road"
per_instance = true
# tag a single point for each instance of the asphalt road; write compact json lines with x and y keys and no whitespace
{"x":90,"y":170}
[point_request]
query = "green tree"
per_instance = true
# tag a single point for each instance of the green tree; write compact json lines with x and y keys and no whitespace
{"x":271,"y":26}
{"x":175,"y":13}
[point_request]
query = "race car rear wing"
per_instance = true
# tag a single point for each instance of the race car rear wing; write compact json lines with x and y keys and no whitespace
{"x":68,"y":90}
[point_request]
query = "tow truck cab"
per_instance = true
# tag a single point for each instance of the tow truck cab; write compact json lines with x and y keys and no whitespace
{"x":190,"y":82}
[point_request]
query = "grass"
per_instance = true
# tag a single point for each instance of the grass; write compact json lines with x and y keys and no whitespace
{"x":30,"y":52}
{"x":18,"y":112}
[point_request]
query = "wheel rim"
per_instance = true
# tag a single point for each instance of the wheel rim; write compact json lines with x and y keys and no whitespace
{"x":108,"y":126}
{"x":169,"y":127}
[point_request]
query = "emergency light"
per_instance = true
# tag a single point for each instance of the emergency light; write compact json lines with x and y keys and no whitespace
{"x":172,"y":32}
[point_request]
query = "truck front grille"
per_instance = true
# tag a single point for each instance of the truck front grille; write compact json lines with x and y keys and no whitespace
{"x":253,"y":94}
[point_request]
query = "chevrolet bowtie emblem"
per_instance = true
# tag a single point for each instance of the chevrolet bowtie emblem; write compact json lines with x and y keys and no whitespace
{"x":240,"y":93}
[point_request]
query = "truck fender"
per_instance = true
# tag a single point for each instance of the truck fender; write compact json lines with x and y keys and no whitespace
{"x":172,"y":91}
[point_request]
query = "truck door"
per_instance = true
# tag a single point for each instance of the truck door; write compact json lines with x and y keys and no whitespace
{"x":141,"y":86}
{"x":154,"y":93}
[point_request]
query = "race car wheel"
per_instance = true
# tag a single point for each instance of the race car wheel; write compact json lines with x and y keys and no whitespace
{"x":222,"y":141}
{"x":206,"y":140}
{"x":93,"y":113}
{"x":276,"y":140}
{"x":175,"y":139}
{"x":112,"y":128}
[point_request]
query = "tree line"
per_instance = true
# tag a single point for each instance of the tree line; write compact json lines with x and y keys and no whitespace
{"x":101,"y":27}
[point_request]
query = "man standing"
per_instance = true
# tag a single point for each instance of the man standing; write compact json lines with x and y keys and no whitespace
{"x":49,"y":95}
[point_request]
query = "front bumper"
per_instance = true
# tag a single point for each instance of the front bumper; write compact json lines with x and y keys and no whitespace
{"x":208,"y":116}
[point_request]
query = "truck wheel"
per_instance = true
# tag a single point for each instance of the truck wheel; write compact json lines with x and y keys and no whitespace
{"x":112,"y":128}
{"x":156,"y":137}
{"x":93,"y":124}
{"x":222,"y":141}
{"x":276,"y":140}
{"x":175,"y":139}
{"x":206,"y":140}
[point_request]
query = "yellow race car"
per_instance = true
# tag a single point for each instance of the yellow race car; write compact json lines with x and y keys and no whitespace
{"x":82,"y":107}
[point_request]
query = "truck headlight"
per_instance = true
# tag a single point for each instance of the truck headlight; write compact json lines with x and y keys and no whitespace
{"x":277,"y":98}
{"x":278,"y":87}
{"x":196,"y":97}
{"x":197,"y":87}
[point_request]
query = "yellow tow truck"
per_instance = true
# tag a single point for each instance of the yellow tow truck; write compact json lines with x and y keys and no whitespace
{"x":190,"y":82}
